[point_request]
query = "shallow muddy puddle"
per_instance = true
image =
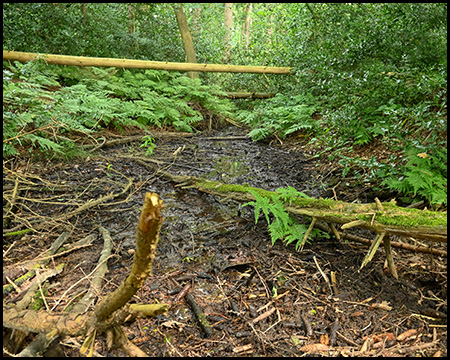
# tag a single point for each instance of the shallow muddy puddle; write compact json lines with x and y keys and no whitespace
{"x":240,"y":161}
{"x":191,"y":216}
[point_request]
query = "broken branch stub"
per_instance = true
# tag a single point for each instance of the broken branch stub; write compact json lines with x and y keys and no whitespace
{"x":147,"y":237}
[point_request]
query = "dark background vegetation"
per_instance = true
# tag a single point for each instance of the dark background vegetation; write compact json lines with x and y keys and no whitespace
{"x":365,"y":74}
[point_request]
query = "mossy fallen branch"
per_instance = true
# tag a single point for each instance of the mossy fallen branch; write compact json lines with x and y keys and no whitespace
{"x":393,"y":220}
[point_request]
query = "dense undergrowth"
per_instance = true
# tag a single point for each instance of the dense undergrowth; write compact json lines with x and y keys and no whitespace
{"x":343,"y":112}
{"x":367,"y":76}
{"x":43,"y":104}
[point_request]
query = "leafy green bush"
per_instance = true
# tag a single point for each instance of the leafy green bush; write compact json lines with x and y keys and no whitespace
{"x":25,"y":112}
{"x":161,"y":98}
{"x":281,"y":116}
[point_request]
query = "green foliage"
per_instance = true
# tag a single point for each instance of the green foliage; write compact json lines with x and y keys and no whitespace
{"x":283,"y":226}
{"x":38,"y":110}
{"x":25,"y":112}
{"x":380,"y":72}
{"x":424,"y":175}
{"x":384,"y":105}
{"x":290,"y":193}
{"x":160,"y":98}
{"x":368,"y":72}
{"x":281,"y":115}
{"x":38,"y":301}
{"x":93,"y":29}
{"x":149,"y":143}
{"x":376,"y":71}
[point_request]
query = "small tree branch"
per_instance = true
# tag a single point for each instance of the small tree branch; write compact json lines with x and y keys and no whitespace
{"x":147,"y":237}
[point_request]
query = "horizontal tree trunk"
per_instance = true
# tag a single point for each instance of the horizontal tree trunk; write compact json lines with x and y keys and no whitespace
{"x":384,"y":218}
{"x":243,"y":95}
{"x":140,"y":64}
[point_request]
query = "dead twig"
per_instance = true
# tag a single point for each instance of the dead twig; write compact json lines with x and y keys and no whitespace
{"x":333,"y":332}
{"x":200,"y":315}
{"x":307,"y":323}
{"x":263,"y":316}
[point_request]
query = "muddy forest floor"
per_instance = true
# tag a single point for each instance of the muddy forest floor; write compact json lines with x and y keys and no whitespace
{"x":230,"y":263}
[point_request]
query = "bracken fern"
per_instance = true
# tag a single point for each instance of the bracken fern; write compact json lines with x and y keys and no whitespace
{"x":424,"y":175}
{"x":93,"y":98}
{"x":283,"y":226}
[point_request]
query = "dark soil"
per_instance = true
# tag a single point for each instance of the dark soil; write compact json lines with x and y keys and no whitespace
{"x":232,"y":267}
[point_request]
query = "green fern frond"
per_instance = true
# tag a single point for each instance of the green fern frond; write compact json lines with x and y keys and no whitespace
{"x":44,"y":143}
{"x":289,"y":194}
{"x":283,"y":226}
{"x":101,"y":97}
{"x":424,"y":176}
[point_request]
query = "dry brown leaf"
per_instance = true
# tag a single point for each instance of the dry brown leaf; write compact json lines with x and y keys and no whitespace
{"x":173,"y":324}
{"x":313,"y":348}
{"x":243,"y":348}
{"x":384,"y":305}
{"x":366,"y":345}
{"x":324,"y":340}
{"x":356,"y":314}
{"x":380,"y":337}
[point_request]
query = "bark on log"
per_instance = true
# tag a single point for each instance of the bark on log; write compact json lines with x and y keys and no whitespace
{"x":245,"y":95}
{"x":393,"y":220}
{"x":140,"y":64}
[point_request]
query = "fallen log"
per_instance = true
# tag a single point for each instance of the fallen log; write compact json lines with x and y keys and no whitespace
{"x":246,"y":95}
{"x":394,"y":244}
{"x":387,"y":218}
{"x":140,"y":64}
{"x":384,"y":219}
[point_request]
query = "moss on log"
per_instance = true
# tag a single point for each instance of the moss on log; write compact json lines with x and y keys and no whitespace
{"x":392,"y":219}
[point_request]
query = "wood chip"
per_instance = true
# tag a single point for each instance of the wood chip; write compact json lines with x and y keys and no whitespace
{"x":407,"y":334}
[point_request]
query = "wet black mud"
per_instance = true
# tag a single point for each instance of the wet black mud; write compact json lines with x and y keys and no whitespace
{"x":236,"y":273}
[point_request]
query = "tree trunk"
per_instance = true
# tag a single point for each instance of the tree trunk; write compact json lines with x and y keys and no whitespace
{"x":270,"y":30}
{"x":228,"y":29}
{"x":140,"y":64}
{"x":131,"y":18}
{"x":132,"y":26}
{"x":314,"y":17}
{"x":84,"y":11}
{"x":247,"y":24}
{"x":187,"y":38}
